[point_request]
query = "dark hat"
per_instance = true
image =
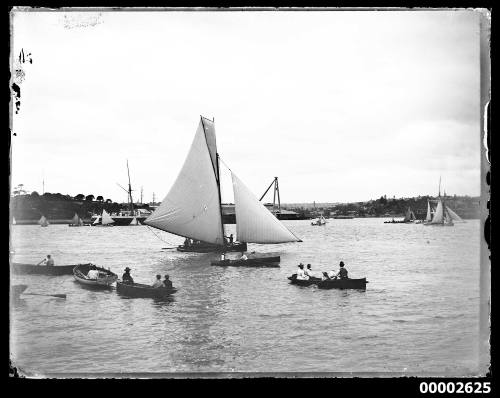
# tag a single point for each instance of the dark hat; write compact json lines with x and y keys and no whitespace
{"x":308,"y":265}
{"x":158,"y":276}
{"x":127,"y":269}
{"x":166,"y":276}
{"x":341,"y":264}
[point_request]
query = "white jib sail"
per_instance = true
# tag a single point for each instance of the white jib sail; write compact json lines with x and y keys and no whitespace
{"x":97,"y":219}
{"x":439,"y":214}
{"x":134,"y":222}
{"x":75,"y":219}
{"x":43,"y":221}
{"x":106,"y":218}
{"x":454,"y":216}
{"x":428,"y":217}
{"x":192,"y":207}
{"x":255,"y":223}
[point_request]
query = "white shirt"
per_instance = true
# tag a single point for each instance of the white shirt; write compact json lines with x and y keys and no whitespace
{"x":301,"y":274}
{"x":158,"y":283}
{"x":222,"y":257}
{"x":50,"y":262}
{"x":332,"y":274}
{"x":244,"y":257}
{"x":93,"y":274}
{"x":308,"y":272}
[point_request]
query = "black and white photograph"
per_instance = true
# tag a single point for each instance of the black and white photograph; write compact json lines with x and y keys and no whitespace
{"x":249,"y":192}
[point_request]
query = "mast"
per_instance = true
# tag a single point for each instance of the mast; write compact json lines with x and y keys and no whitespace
{"x":217,"y":178}
{"x":130,"y":191}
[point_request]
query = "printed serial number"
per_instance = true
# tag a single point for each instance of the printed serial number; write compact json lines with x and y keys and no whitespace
{"x":450,"y":387}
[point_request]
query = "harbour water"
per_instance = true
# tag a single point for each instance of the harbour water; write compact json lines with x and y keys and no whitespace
{"x":418,"y":315}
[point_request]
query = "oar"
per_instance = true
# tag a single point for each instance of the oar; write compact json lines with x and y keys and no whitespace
{"x":51,"y":295}
{"x":168,"y":248}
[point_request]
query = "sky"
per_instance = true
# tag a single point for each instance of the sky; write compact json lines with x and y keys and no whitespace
{"x":341,"y":106}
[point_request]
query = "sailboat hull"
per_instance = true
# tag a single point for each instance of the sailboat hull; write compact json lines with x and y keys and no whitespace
{"x":209,"y":248}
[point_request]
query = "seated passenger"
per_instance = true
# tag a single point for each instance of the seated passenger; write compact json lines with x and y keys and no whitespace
{"x":301,"y":274}
{"x":309,"y":271}
{"x":342,"y":272}
{"x":158,"y":282}
{"x":126,"y":277}
{"x":93,"y":274}
{"x":167,"y":282}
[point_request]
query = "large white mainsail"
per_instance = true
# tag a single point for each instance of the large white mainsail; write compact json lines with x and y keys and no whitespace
{"x":255,"y":223}
{"x":454,"y":216}
{"x":192,"y":206}
{"x":438,"y":214}
{"x":106,"y":218}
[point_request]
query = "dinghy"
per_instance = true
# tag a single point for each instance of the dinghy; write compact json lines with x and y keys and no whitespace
{"x":104,"y":279}
{"x":251,"y":262}
{"x":346,"y":283}
{"x":33,"y":269}
{"x":139,"y":290}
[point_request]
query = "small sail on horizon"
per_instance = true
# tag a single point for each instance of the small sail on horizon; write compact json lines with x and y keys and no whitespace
{"x":255,"y":223}
{"x":428,"y":217}
{"x":76,"y":220}
{"x":14,"y":221}
{"x":192,"y":206}
{"x":97,"y":220}
{"x":135,"y":221}
{"x":106,"y":218}
{"x":43,"y":222}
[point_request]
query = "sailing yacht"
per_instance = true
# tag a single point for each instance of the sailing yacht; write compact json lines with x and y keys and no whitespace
{"x":43,"y":222}
{"x":192,"y":207}
{"x":320,"y":221}
{"x":104,"y":220}
{"x":76,"y":221}
{"x":409,"y":216}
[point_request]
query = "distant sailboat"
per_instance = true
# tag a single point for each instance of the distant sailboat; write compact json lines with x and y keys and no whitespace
{"x":442,"y":215}
{"x":106,"y":219}
{"x":192,"y":207}
{"x":76,"y":221}
{"x":14,"y":221}
{"x":320,"y":221}
{"x":135,"y":222}
{"x":43,"y":222}
{"x":409,"y":216}
{"x":97,"y":220}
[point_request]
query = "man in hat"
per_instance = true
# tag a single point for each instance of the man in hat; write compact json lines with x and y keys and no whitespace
{"x":127,"y":278}
{"x":49,"y":261}
{"x":167,"y":282}
{"x":158,"y":282}
{"x":342,"y":274}
{"x":301,"y":274}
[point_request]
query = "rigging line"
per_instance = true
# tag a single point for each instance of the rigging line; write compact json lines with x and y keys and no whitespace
{"x":159,"y":237}
{"x":220,"y":159}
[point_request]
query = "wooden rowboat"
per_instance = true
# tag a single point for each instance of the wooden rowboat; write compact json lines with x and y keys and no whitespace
{"x":105,"y":279}
{"x":346,"y":283}
{"x":138,"y":290}
{"x":251,"y":262}
{"x":19,"y":268}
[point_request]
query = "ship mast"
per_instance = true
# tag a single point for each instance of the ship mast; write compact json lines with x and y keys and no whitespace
{"x":130,"y":192}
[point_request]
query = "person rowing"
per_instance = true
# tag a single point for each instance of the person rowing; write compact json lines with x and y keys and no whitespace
{"x":49,"y":261}
{"x":342,"y":274}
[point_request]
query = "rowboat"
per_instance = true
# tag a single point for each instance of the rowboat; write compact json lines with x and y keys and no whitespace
{"x":16,"y":291}
{"x":251,"y":262}
{"x":139,"y":290}
{"x":346,"y":283}
{"x":105,"y":279}
{"x":19,"y":268}
{"x":210,"y":248}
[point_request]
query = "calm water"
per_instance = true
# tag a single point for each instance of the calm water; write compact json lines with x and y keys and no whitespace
{"x":419,"y":314}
